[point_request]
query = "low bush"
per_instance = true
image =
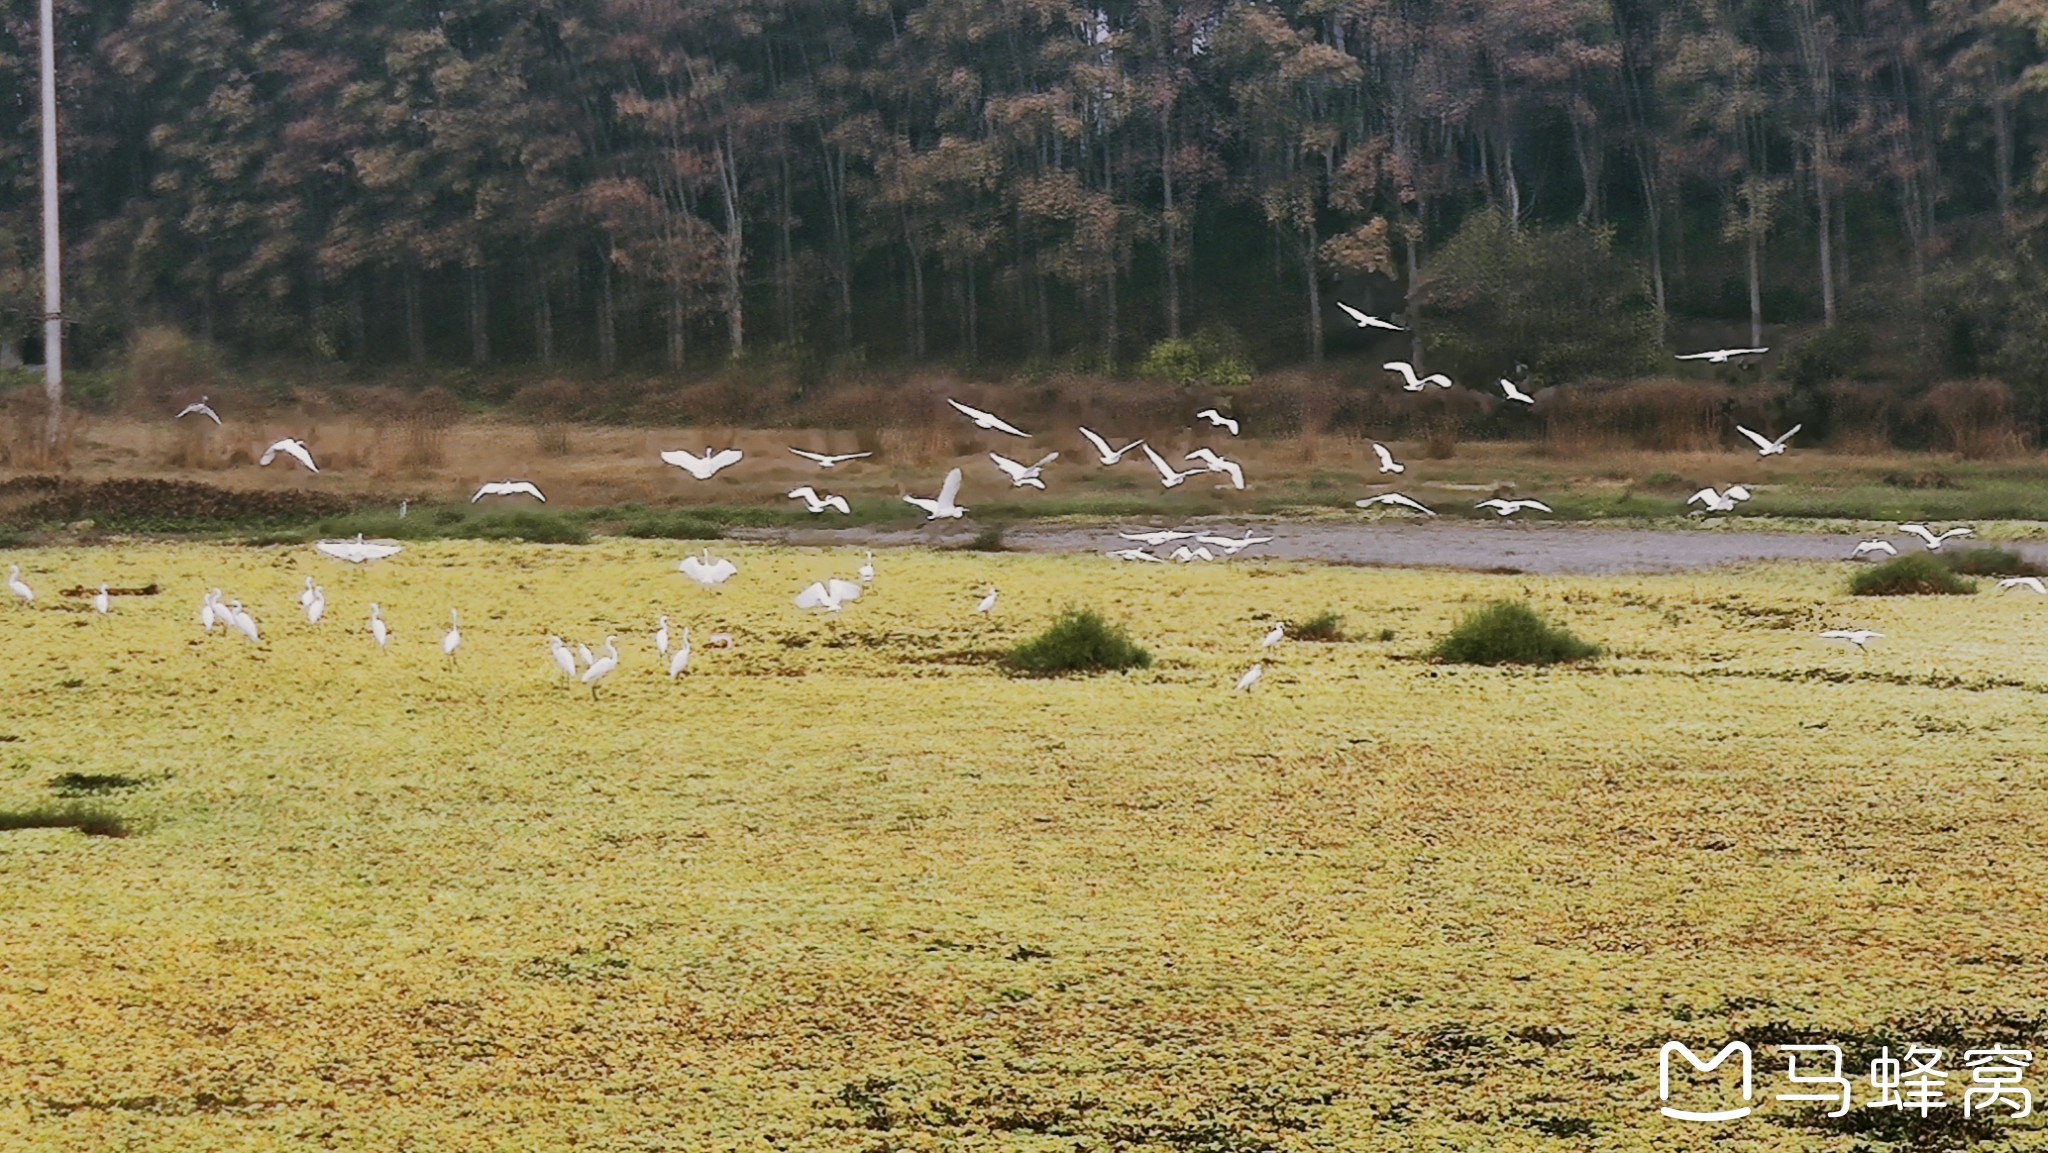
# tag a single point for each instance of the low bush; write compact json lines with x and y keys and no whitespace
{"x":1917,"y":575}
{"x":1080,"y":641}
{"x":1326,"y":626}
{"x":1510,"y":633}
{"x":86,"y":819}
{"x":1991,"y":562}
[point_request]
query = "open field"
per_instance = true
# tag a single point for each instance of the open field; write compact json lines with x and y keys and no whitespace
{"x":607,"y":467}
{"x":847,"y":886}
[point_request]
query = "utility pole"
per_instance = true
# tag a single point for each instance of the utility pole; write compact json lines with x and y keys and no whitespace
{"x":53,"y":308}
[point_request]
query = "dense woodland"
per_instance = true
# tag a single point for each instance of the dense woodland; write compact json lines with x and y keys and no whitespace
{"x":665,"y":183}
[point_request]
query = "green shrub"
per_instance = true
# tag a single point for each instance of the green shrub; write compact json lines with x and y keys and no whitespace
{"x":1510,"y":633}
{"x":1080,"y":641}
{"x":1211,"y":358}
{"x":1915,"y":575}
{"x":1563,"y":300}
{"x":527,"y":525}
{"x":1325,"y":626}
{"x":672,"y":526}
{"x":90,"y":821}
{"x":1997,"y":562}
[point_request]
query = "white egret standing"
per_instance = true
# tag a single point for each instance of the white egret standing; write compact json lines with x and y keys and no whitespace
{"x":453,"y":639}
{"x":603,"y":666}
{"x":208,"y":613}
{"x":1250,"y":679}
{"x":317,"y":607}
{"x":378,"y":629}
{"x":243,"y":622}
{"x":680,"y":663}
{"x":988,"y":603}
{"x":867,"y":569}
{"x":15,"y":585}
{"x":563,"y":658}
{"x":1278,"y":634}
{"x":661,"y":636}
{"x":100,"y":604}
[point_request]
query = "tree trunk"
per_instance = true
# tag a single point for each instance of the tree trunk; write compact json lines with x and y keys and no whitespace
{"x":1309,"y":242}
{"x":2001,"y":155}
{"x":1110,"y":335}
{"x":607,"y":318}
{"x":678,"y":319}
{"x":358,"y":321}
{"x":734,"y":250}
{"x":543,"y":320}
{"x":1825,"y":231}
{"x":785,"y":262}
{"x":1414,"y":304}
{"x":1170,"y":220}
{"x":1756,"y":297}
{"x":973,"y":312}
{"x":479,"y":316}
{"x":914,"y":332}
{"x":415,"y":324}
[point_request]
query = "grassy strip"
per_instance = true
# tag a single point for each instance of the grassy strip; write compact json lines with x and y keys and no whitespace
{"x":90,"y":821}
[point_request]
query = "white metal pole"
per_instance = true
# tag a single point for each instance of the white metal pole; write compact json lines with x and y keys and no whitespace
{"x":53,"y":308}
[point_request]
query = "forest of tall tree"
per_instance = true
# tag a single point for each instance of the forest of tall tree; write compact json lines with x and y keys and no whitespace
{"x":665,"y":183}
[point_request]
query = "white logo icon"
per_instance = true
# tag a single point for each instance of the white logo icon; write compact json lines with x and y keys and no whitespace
{"x":1707,"y":1066}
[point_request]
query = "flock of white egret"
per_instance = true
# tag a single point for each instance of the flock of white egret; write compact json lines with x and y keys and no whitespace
{"x":832,"y":594}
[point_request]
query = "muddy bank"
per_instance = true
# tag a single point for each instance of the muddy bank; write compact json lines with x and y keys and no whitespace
{"x":1523,"y":547}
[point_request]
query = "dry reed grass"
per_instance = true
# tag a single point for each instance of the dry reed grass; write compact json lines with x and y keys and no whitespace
{"x":1975,"y":418}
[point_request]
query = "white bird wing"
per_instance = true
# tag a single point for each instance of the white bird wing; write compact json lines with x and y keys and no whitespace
{"x":926,"y":503}
{"x":1210,"y":415}
{"x":1698,"y":356}
{"x":1755,"y":437}
{"x":1496,"y":502}
{"x":1956,"y":532}
{"x":1737,"y":492}
{"x":973,"y":414}
{"x":1386,"y":458}
{"x":723,"y":458}
{"x":950,"y":490}
{"x":814,"y":597}
{"x":687,"y":461}
{"x":838,"y":502}
{"x":1101,"y":445}
{"x":1362,"y":319}
{"x":1535,"y":504}
{"x":1230,"y":468}
{"x":842,"y":590}
{"x":1919,"y":530}
{"x":1047,"y":459}
{"x":804,"y":493}
{"x":1789,"y":434}
{"x":1016,"y":471}
{"x":819,"y":457}
{"x":1406,"y":370}
{"x":1165,"y":470}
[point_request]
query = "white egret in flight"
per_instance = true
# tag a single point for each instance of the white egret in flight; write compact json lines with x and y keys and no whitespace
{"x":1217,"y":419}
{"x":1365,"y":321}
{"x":706,"y":571}
{"x":1387,"y":462}
{"x":1415,"y":383}
{"x":1397,"y":499}
{"x":816,"y":503}
{"x":703,"y":467}
{"x":296,"y":449}
{"x":200,"y":406}
{"x":987,"y":420}
{"x":1932,"y":541}
{"x":509,"y":488}
{"x":1769,"y":447}
{"x":1021,"y":475}
{"x":942,"y":506}
{"x":830,"y":460}
{"x":1102,"y":448}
